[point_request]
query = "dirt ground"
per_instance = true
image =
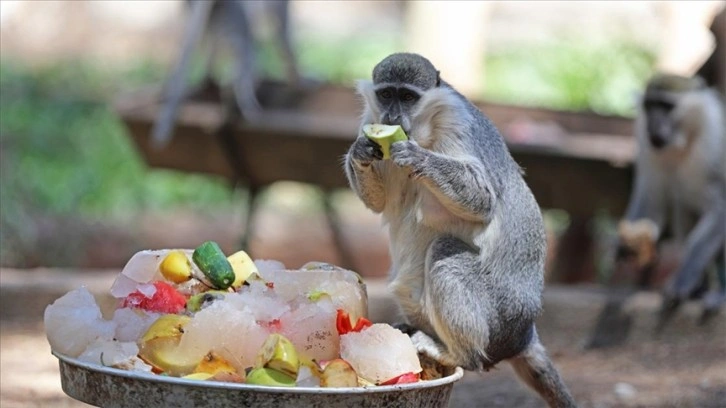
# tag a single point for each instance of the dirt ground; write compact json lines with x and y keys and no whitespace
{"x":683,"y":367}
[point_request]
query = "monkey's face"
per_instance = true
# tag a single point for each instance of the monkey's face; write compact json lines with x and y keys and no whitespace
{"x":660,"y":123}
{"x":397,"y":104}
{"x":399,"y":82}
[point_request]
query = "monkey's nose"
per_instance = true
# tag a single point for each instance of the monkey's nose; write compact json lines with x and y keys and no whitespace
{"x":391,"y":120}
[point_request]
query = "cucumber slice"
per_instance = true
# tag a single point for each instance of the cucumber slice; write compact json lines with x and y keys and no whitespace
{"x":214,"y":265}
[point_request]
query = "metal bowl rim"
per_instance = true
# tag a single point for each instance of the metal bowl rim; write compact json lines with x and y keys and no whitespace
{"x":143,"y":376}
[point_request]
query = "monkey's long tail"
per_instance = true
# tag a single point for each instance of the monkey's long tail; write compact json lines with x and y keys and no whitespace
{"x":534,"y":367}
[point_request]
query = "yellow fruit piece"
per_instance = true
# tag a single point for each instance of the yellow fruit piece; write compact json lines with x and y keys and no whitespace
{"x":385,"y":136}
{"x":270,"y":377}
{"x":176,"y":267}
{"x":338,"y":373}
{"x":159,"y":346}
{"x":278,"y":353}
{"x":171,"y":325}
{"x":198,"y":376}
{"x":164,"y":355}
{"x":243,"y":267}
{"x":213,"y":363}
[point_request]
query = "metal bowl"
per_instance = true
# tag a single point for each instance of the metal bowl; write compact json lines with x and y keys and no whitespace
{"x":111,"y":387}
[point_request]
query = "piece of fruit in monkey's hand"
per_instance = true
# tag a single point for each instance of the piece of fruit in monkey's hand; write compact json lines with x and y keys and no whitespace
{"x":641,"y":237}
{"x":385,"y":136}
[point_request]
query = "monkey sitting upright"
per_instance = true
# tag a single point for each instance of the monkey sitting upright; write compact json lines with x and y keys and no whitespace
{"x":467,"y":239}
{"x":680,"y":181}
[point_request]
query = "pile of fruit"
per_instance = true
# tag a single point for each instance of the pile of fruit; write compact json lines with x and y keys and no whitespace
{"x":201,"y":315}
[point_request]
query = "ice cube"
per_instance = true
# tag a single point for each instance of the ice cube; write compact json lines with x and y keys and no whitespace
{"x":344,"y":287}
{"x":123,"y":286}
{"x":132,"y":323}
{"x":74,"y":321}
{"x":379,"y":353}
{"x":261,"y":300}
{"x":311,"y":328}
{"x":306,"y":377}
{"x":266,"y":265}
{"x":232,"y":333}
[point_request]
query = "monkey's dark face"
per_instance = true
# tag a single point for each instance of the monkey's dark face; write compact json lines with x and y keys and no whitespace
{"x":400,"y":80}
{"x":397,"y":104}
{"x":660,"y":125}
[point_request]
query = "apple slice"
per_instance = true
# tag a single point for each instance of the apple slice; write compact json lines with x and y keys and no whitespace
{"x":268,"y":376}
{"x":159,"y":346}
{"x":278,"y":353}
{"x":385,"y":136}
{"x":214,"y":364}
{"x":338,"y":373}
{"x":243,"y":267}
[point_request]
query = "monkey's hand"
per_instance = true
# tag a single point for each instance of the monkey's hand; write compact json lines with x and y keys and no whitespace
{"x":431,"y":353}
{"x":364,"y":151}
{"x":638,"y":238}
{"x":409,"y":154}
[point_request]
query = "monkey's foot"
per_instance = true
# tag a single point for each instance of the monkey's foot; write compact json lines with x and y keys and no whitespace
{"x":667,"y":311}
{"x":712,"y":303}
{"x":432,"y":369}
{"x":431,"y":354}
{"x":405,"y":328}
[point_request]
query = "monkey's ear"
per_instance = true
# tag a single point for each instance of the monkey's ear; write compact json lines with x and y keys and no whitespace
{"x":438,"y":78}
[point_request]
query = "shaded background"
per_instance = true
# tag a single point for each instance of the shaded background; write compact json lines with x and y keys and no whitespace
{"x":70,"y":173}
{"x":76,"y":194}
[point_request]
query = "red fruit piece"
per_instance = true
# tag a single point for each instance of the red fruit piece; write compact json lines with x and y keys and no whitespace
{"x":402,"y":379}
{"x":344,"y":324}
{"x":165,"y":299}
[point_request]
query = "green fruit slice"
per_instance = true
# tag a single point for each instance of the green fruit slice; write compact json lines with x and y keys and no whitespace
{"x":200,"y":300}
{"x":385,"y":136}
{"x":268,"y":376}
{"x":278,"y":353}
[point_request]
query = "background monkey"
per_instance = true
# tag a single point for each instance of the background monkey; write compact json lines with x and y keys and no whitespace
{"x":467,"y":239}
{"x":230,"y":22}
{"x":680,"y":181}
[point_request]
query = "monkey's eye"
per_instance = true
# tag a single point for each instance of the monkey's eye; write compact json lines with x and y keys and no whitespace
{"x":408,"y":96}
{"x":385,"y":94}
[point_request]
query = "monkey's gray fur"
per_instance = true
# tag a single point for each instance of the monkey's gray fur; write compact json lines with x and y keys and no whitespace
{"x":467,"y":239}
{"x":681,"y":181}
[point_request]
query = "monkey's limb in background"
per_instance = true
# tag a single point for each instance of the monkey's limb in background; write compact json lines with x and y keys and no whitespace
{"x":174,"y":90}
{"x":281,"y":10}
{"x":703,"y":245}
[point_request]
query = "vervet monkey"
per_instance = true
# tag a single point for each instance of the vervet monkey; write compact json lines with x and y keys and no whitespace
{"x":680,"y":181}
{"x":467,"y":240}
{"x":229,"y":22}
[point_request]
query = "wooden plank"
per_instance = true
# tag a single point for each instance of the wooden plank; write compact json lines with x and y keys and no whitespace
{"x":302,"y":136}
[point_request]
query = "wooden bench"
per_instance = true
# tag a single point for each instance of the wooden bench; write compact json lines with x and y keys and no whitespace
{"x":578,"y":162}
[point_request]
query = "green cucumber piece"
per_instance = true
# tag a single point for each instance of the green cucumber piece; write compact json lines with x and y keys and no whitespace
{"x":214,"y":265}
{"x":384,"y":136}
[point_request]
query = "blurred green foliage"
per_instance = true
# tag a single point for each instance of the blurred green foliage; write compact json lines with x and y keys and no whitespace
{"x":572,"y":75}
{"x":65,"y":155}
